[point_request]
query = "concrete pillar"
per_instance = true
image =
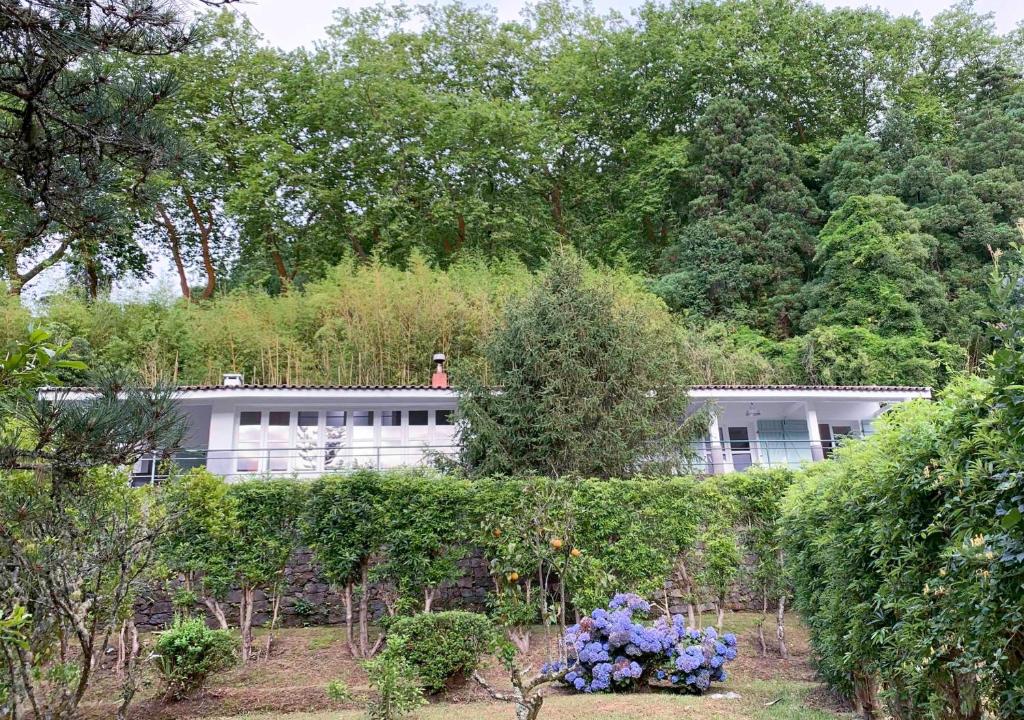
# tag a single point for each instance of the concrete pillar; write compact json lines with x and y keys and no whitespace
{"x":716,"y":458}
{"x":817,"y":453}
{"x":220,"y":459}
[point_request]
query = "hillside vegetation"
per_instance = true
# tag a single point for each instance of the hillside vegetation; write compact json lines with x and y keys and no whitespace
{"x":814,"y":194}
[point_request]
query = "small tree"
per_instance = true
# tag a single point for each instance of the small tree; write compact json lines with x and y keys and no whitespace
{"x":342,"y":527}
{"x":268,"y":514}
{"x":199,"y":546}
{"x":580,"y":380}
{"x":528,"y":530}
{"x":76,"y":541}
{"x":526,"y":686}
{"x":759,"y":494}
{"x":721,"y":565}
{"x":427,"y":526}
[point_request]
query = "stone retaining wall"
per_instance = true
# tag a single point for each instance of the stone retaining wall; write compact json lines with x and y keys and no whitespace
{"x":308,"y":600}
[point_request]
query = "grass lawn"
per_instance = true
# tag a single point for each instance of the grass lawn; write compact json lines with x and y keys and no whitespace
{"x":291,"y":685}
{"x":761,"y":700}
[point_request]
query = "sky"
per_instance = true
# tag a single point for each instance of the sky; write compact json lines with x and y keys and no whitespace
{"x":289,"y":24}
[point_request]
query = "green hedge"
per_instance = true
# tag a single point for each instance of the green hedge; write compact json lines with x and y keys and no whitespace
{"x":576,"y":542}
{"x":907,"y":555}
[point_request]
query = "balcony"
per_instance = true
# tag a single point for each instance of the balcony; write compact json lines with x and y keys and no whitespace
{"x":740,"y":455}
{"x":313,"y":462}
{"x":306,"y":462}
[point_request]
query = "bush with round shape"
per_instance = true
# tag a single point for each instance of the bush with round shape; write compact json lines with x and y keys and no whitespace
{"x":189,"y":652}
{"x":443,"y":645}
{"x":612,"y":649}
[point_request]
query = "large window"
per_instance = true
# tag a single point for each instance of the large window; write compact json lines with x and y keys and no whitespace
{"x":391,"y":440}
{"x":334,"y":439}
{"x":250,"y":441}
{"x":311,"y":441}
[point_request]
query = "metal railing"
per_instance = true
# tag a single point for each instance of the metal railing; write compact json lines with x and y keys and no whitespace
{"x":316,"y":461}
{"x":292,"y":461}
{"x":741,"y":454}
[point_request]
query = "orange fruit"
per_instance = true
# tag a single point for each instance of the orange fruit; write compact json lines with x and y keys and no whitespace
{"x":556,"y":543}
{"x":513,"y":576}
{"x":575,"y":552}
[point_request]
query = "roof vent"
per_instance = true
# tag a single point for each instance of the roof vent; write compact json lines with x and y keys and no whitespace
{"x":440,"y":377}
{"x":233,"y":380}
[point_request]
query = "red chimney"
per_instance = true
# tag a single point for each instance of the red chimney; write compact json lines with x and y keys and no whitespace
{"x":440,"y":378}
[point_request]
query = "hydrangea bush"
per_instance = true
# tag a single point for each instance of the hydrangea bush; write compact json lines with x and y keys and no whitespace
{"x":612,"y":649}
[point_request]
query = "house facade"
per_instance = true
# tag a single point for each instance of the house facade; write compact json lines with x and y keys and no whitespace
{"x":238,"y":430}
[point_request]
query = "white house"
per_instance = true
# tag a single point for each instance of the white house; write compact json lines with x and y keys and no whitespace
{"x":239,"y":430}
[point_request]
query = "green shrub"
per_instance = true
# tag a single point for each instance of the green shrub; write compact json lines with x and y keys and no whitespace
{"x":189,"y":652}
{"x":337,"y":689}
{"x":397,"y":687}
{"x":443,"y":645}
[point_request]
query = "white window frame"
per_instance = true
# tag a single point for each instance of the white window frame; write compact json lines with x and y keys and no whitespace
{"x":367,"y":453}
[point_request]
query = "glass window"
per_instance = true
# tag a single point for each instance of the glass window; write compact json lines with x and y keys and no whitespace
{"x":825,"y":433}
{"x":249,"y":441}
{"x":418,"y":417}
{"x":278,"y":432}
{"x":334,"y":439}
{"x":307,"y":441}
{"x":444,"y":432}
{"x":739,"y":448}
{"x":363,"y":436}
{"x":390,"y":452}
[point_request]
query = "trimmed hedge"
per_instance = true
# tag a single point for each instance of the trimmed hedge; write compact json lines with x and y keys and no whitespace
{"x":574,"y":542}
{"x":907,"y":555}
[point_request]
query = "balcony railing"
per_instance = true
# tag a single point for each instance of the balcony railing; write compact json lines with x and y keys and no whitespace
{"x":290,"y":462}
{"x":313,"y":462}
{"x":741,"y":454}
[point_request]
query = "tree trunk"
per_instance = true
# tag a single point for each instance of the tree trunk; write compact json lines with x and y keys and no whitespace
{"x":761,"y":622}
{"x":217,"y":611}
{"x":174,"y":240}
{"x":865,"y":696}
{"x":92,"y":276}
{"x":130,"y":680}
{"x":245,"y":620}
{"x":687,"y":587}
{"x":279,"y":268}
{"x":205,"y":229}
{"x":275,"y":611}
{"x":347,"y":599}
{"x":364,"y":608}
{"x":721,"y":611}
{"x":428,"y":598}
{"x":780,"y":630}
{"x":555,"y":198}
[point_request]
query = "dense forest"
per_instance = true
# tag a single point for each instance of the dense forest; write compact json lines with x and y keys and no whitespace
{"x":814,"y":195}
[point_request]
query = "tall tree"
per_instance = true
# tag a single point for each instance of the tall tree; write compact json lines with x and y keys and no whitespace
{"x":584,"y":383}
{"x":872,"y":270}
{"x":752,"y":222}
{"x":77,"y":131}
